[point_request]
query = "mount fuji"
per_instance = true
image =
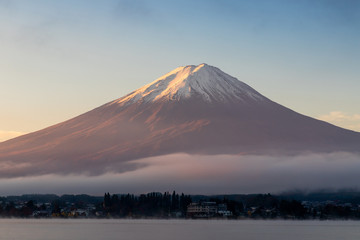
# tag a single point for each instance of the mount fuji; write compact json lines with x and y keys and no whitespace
{"x":193,"y":109}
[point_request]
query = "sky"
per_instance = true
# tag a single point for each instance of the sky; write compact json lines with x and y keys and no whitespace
{"x":63,"y":58}
{"x":59,"y":59}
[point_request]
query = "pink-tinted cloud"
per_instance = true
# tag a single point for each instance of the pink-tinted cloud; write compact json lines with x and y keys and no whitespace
{"x":345,"y":120}
{"x":6,"y":135}
{"x":197,"y":174}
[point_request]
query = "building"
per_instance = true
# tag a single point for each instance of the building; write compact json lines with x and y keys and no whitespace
{"x":207,"y":209}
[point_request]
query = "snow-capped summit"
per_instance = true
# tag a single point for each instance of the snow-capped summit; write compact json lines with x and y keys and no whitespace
{"x":204,"y":81}
{"x":193,"y":109}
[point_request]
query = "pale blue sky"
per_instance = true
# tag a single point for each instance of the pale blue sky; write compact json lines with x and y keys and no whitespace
{"x":62,"y":58}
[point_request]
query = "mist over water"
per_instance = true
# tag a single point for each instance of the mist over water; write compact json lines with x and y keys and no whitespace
{"x":199,"y":174}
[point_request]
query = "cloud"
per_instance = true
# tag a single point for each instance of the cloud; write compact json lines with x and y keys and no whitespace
{"x":196,"y":174}
{"x":5,"y":135}
{"x":350,"y":121}
{"x":253,"y":174}
{"x":340,"y":116}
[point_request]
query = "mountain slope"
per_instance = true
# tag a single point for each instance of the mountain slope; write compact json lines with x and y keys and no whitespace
{"x":192,"y":109}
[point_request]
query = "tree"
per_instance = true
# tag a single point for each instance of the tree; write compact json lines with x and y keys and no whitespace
{"x":107,"y":201}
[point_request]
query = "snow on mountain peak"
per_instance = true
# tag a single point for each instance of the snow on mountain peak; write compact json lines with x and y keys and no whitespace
{"x":203,"y":80}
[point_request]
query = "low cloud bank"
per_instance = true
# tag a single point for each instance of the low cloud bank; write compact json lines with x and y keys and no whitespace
{"x":345,"y":120}
{"x":6,"y":135}
{"x":203,"y":175}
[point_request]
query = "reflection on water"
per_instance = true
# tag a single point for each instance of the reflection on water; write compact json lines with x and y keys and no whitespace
{"x":51,"y":229}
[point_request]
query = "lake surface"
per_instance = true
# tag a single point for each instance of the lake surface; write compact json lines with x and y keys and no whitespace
{"x":64,"y":229}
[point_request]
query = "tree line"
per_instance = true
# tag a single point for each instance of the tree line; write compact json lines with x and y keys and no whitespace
{"x":169,"y":205}
{"x":145,"y":205}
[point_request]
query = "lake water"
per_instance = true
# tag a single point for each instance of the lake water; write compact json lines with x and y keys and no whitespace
{"x":51,"y":229}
